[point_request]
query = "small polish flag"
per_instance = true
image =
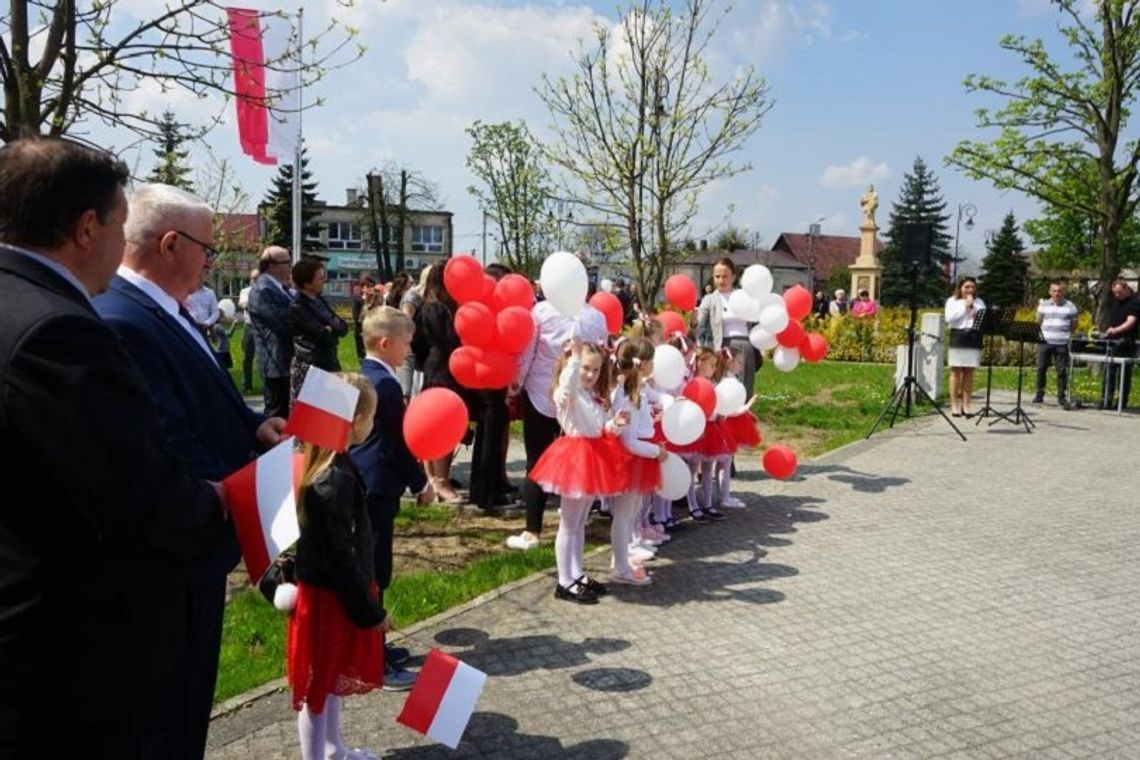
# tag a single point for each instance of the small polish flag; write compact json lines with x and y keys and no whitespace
{"x":323,"y":412}
{"x":441,"y":702}
{"x":263,"y":505}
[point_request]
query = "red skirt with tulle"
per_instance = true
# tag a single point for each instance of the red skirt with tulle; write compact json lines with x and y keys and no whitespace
{"x":643,"y":474}
{"x":716,"y":441}
{"x":326,"y":653}
{"x":576,"y":466}
{"x":744,"y":430}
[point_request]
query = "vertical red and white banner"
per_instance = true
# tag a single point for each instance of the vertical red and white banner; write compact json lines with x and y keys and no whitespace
{"x":263,"y":505}
{"x":441,"y":702}
{"x":267,"y":83}
{"x":323,"y":412}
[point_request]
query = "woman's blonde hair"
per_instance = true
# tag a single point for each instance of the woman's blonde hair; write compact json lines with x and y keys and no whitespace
{"x":629,"y":357}
{"x":318,"y":458}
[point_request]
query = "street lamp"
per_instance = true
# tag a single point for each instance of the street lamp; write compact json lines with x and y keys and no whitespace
{"x":813,"y":233}
{"x":967,"y":210}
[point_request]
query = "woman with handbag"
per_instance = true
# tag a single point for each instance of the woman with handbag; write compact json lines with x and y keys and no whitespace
{"x":317,"y":329}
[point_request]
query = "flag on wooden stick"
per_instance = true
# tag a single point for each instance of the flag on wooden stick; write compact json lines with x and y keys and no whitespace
{"x":441,"y":702}
{"x":263,"y":506}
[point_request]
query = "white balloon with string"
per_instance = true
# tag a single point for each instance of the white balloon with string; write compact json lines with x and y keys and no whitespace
{"x":743,"y":306}
{"x":675,"y":478}
{"x":564,"y":282}
{"x":774,"y":319}
{"x":762,"y":339}
{"x":757,"y":281}
{"x":668,"y":366}
{"x":730,"y":396}
{"x":683,"y":422}
{"x":785,"y":359}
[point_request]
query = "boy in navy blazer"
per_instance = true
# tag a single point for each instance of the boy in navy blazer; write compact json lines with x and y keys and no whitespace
{"x":384,"y":461}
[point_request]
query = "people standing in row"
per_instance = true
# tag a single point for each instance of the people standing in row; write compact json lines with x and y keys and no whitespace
{"x":316,"y":328}
{"x":864,"y":305}
{"x":839,"y":306}
{"x":820,"y":306}
{"x":273,"y":335}
{"x":1122,"y":326}
{"x":1057,"y":317}
{"x":965,"y":355}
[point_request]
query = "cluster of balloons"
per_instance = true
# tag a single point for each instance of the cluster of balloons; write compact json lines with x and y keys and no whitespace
{"x":493,"y":323}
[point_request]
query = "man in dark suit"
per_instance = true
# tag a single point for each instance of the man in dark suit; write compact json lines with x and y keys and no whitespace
{"x":206,"y":421}
{"x":93,"y":501}
{"x":269,"y":317}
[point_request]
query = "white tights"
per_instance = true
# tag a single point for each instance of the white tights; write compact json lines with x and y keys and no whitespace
{"x":570,"y":542}
{"x":715,"y":471}
{"x":626,"y":509}
{"x":320,"y":734}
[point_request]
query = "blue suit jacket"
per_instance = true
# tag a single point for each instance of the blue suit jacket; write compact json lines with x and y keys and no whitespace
{"x":205,"y":420}
{"x":272,"y":329}
{"x":384,"y":461}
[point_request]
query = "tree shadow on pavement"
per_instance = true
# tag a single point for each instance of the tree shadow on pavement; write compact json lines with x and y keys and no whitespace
{"x":512,"y":656}
{"x":496,"y":735}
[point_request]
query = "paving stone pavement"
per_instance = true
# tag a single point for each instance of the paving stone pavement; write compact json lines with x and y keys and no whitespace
{"x":907,"y":596}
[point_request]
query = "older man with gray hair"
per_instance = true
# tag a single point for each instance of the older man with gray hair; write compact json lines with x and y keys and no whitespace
{"x":269,"y":303}
{"x":169,"y":249}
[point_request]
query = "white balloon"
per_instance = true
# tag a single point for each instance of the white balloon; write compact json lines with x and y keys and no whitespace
{"x":757,"y":281}
{"x":786,"y":359}
{"x":227,"y":308}
{"x":772,"y":299}
{"x":774,"y":319}
{"x":564,"y":282}
{"x":683,"y":422}
{"x":665,"y":399}
{"x":743,"y":306}
{"x":762,"y":339}
{"x":675,"y":478}
{"x":607,"y":285}
{"x":730,"y":396}
{"x":668,"y":366}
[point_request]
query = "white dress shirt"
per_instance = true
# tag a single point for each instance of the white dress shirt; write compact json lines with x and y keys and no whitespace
{"x":552,"y":329}
{"x":579,"y":411}
{"x":635,"y":436}
{"x":203,"y":306}
{"x":168,"y":304}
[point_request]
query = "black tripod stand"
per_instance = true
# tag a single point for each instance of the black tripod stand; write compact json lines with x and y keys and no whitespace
{"x":994,"y":320}
{"x":1022,"y":332}
{"x":910,"y":388}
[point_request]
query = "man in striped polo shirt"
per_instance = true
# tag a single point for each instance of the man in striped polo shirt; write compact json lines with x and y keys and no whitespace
{"x":1057,"y":317}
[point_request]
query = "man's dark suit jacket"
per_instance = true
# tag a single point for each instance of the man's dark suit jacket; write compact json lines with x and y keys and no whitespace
{"x":383,"y":459}
{"x":92,"y":501}
{"x":272,"y":330}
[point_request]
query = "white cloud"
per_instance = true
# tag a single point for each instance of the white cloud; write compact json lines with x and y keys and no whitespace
{"x":767,"y":192}
{"x":861,"y":171}
{"x":768,"y":29}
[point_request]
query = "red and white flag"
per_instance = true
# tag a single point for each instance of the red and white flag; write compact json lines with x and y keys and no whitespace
{"x":266,"y":83}
{"x":263,"y":504}
{"x":323,"y":412}
{"x":441,"y":702}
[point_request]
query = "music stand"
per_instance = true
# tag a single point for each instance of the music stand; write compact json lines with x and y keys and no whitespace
{"x":1022,"y":332}
{"x":992,"y":321}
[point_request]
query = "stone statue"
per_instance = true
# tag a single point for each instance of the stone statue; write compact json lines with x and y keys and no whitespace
{"x":869,"y":202}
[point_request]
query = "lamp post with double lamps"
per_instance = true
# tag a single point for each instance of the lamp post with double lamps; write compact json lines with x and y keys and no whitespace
{"x":967,"y":210}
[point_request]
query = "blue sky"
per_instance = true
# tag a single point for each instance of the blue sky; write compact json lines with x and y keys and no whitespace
{"x":860,"y":90}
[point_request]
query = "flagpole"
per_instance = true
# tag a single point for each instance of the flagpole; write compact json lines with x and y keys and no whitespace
{"x":300,"y":131}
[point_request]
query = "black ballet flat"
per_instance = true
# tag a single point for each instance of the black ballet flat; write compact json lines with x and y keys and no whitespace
{"x":575,"y":592}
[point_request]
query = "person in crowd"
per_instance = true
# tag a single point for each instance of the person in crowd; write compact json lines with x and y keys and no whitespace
{"x":625,"y":297}
{"x":317,"y":329}
{"x":864,"y":306}
{"x":203,"y":307}
{"x":383,"y":459}
{"x":718,"y":327}
{"x":715,"y":447}
{"x":92,"y":491}
{"x":411,"y":375}
{"x":248,"y":349}
{"x":437,"y":320}
{"x":360,"y":289}
{"x":963,"y":308}
{"x":839,"y":306}
{"x":335,"y":634}
{"x":1057,"y":317}
{"x":552,"y":329}
{"x":1122,"y":326}
{"x":168,"y":252}
{"x":269,"y":302}
{"x":585,"y":463}
{"x":820,"y":306}
{"x":400,"y":285}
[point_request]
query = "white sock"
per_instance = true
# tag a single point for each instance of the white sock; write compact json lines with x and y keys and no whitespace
{"x":311,"y":729}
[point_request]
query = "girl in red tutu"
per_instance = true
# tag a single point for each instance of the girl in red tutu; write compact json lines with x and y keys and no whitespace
{"x":333,"y":640}
{"x":634,"y":362}
{"x":715,"y":446}
{"x":586,"y":462}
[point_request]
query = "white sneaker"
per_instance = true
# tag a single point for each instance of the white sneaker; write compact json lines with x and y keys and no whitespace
{"x":640,"y":553}
{"x":522,"y":541}
{"x":731,"y":502}
{"x":630,"y":579}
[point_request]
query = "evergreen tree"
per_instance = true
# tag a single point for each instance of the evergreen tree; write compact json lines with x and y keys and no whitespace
{"x":171,"y":168}
{"x":920,"y":202}
{"x":1005,"y":272}
{"x":277,"y":207}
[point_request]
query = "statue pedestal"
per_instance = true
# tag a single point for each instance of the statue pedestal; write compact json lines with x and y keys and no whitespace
{"x":866,"y":272}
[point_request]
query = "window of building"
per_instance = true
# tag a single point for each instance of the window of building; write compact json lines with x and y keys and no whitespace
{"x":427,"y":239}
{"x":344,"y":236}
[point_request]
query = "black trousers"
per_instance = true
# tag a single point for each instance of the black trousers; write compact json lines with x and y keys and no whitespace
{"x":1112,"y":379}
{"x":382,"y":511}
{"x":487,"y":458}
{"x":1060,"y":358}
{"x":248,"y":352}
{"x":277,"y":397}
{"x":539,"y":431}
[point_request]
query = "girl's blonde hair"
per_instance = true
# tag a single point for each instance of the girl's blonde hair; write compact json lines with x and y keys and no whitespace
{"x":317,"y":458}
{"x":704,"y":353}
{"x":602,"y":386}
{"x":648,"y":327}
{"x":629,"y":357}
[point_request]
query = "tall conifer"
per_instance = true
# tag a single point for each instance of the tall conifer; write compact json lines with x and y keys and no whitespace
{"x":1005,"y":272}
{"x":171,"y":167}
{"x":920,"y":202}
{"x":277,"y":207}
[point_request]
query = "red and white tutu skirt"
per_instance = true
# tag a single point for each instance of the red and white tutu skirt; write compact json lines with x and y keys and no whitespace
{"x":744,"y":429}
{"x":577,"y":466}
{"x":716,"y":441}
{"x":326,"y":653}
{"x":643,"y":475}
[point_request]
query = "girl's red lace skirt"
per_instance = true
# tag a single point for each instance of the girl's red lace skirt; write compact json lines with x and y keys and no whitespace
{"x":576,"y":466}
{"x":326,"y":653}
{"x":643,"y":475}
{"x":744,"y":429}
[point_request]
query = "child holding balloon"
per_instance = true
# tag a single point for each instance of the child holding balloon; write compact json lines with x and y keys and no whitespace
{"x":715,"y":446}
{"x":586,"y":462}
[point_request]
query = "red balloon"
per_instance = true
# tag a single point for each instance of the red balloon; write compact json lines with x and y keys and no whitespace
{"x":434,"y":423}
{"x":681,"y":292}
{"x":780,"y":461}
{"x":791,"y":336}
{"x":610,"y":307}
{"x":463,"y":363}
{"x":463,"y":278}
{"x":813,"y":347}
{"x":798,"y":300}
{"x":513,"y":290}
{"x":672,"y":322}
{"x":475,"y":324}
{"x":703,"y":393}
{"x":488,"y":294}
{"x":515,"y":329}
{"x":497,"y":370}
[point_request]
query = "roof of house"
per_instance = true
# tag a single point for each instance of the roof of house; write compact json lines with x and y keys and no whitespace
{"x":829,"y":251}
{"x":744,"y":257}
{"x":240,"y":230}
